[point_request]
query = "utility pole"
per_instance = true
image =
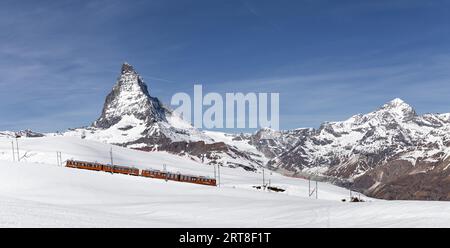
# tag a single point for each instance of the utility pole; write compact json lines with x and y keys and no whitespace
{"x":165,"y":171}
{"x":13,"y":152}
{"x":59,"y":159}
{"x":111,"y":155}
{"x":215,"y":176}
{"x":17,"y":145}
{"x":309,"y":186}
{"x":112,"y":161}
{"x":317,"y":190}
{"x":218,"y":171}
{"x":264,"y":183}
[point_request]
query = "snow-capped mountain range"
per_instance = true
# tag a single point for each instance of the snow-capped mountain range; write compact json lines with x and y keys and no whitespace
{"x":382,"y":153}
{"x":390,"y":153}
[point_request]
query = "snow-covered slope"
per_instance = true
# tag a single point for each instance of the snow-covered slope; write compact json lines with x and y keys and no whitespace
{"x":43,"y":151}
{"x":38,"y":193}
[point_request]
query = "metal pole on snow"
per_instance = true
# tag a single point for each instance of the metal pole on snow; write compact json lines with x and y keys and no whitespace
{"x":111,"y":155}
{"x":309,"y":186}
{"x":13,"y":152}
{"x":218,"y":171}
{"x":317,"y":189}
{"x":17,"y":146}
{"x":59,"y":159}
{"x":264,"y":183}
{"x":165,"y":171}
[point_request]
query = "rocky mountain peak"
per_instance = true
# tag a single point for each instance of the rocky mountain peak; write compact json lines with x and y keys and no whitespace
{"x":130,"y":99}
{"x":399,"y":109}
{"x":396,"y":103}
{"x":127,"y":68}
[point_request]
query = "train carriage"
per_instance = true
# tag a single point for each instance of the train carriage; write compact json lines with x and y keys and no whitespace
{"x":124,"y":170}
{"x":154,"y":174}
{"x":84,"y":165}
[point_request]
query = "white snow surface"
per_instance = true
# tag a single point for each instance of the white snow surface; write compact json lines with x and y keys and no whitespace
{"x":37,"y":193}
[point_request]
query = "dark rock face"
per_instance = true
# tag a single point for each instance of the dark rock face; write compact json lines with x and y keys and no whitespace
{"x":28,"y":133}
{"x":24,"y":133}
{"x":273,"y":143}
{"x":423,"y":181}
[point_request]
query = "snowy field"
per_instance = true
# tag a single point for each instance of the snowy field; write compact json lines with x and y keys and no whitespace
{"x":36,"y":192}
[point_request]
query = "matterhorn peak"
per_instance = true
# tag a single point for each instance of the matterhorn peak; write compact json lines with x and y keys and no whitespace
{"x":130,"y":98}
{"x":127,"y":68}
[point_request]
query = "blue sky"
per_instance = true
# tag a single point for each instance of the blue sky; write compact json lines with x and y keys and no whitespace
{"x":327,"y":59}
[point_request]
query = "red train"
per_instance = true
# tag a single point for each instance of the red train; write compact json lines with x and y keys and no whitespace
{"x":144,"y":173}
